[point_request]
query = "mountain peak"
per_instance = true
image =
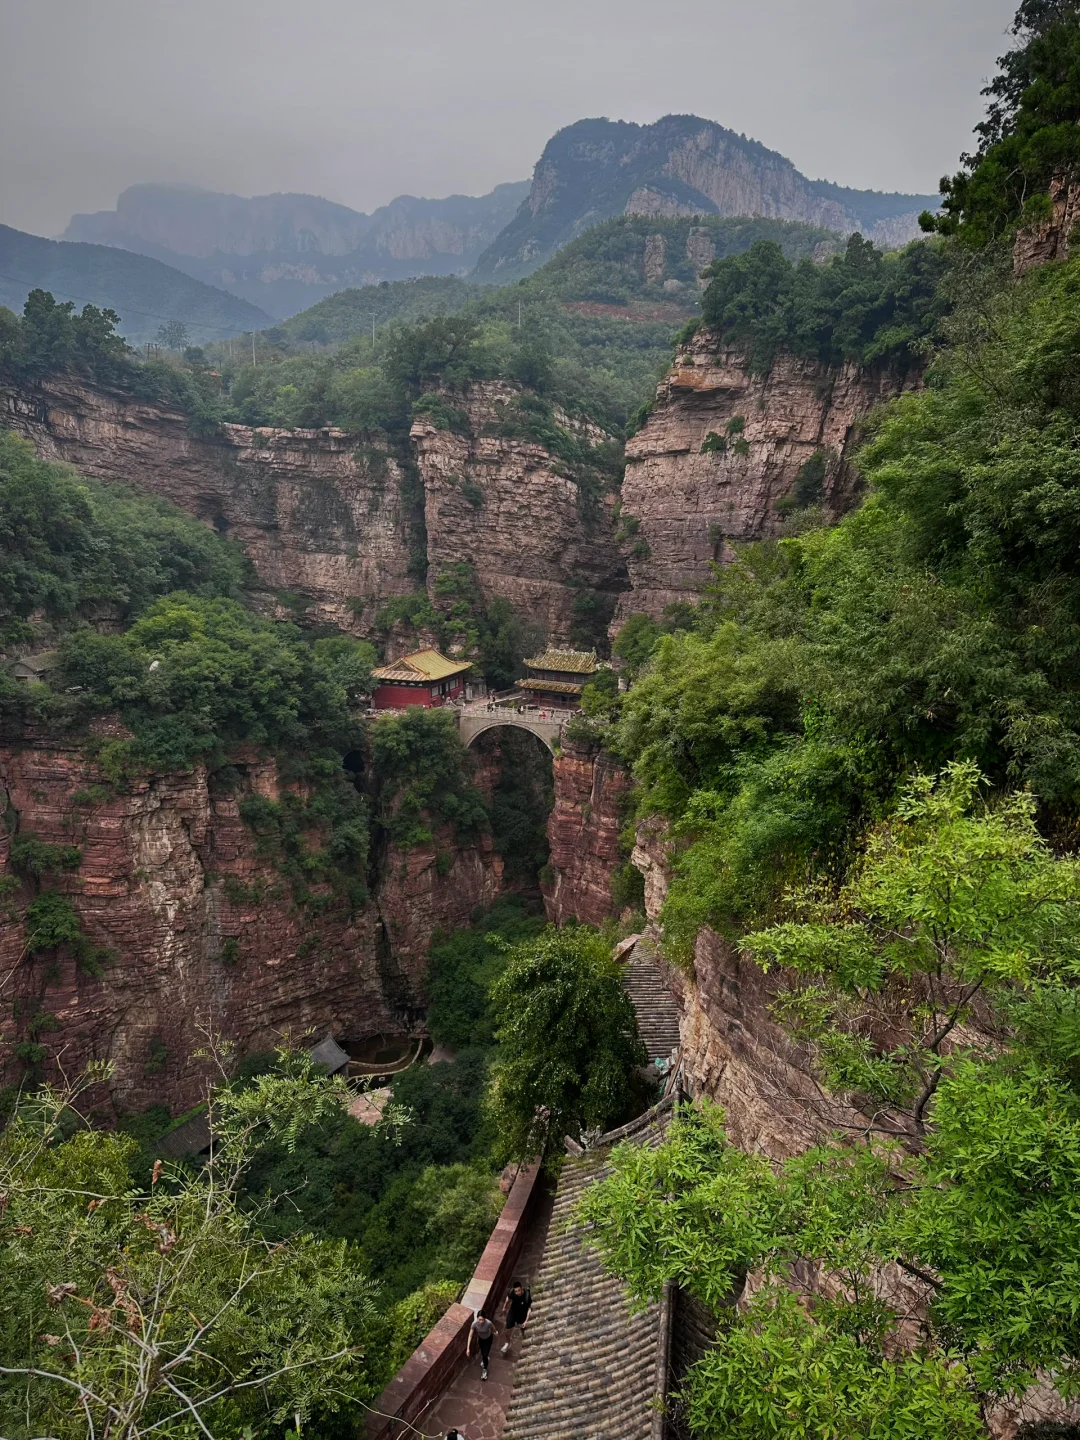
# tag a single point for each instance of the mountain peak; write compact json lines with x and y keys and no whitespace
{"x":597,"y":168}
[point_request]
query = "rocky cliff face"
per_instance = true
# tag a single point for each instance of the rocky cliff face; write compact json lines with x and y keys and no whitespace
{"x":507,"y":507}
{"x":681,"y":165}
{"x":682,"y":505}
{"x":205,"y":932}
{"x":1039,"y":244}
{"x":583,"y":834}
{"x":320,"y":515}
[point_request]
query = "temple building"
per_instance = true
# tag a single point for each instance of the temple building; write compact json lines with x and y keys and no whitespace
{"x":424,"y":678}
{"x":558,"y":677}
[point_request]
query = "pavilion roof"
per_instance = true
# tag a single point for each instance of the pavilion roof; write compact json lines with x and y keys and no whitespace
{"x":429,"y":664}
{"x":571,"y":662}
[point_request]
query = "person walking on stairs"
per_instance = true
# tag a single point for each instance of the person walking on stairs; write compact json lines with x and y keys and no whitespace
{"x":483,"y":1332}
{"x":518,"y":1305}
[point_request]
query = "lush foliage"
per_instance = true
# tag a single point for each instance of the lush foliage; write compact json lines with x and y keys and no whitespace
{"x":420,"y":762}
{"x":937,"y":621}
{"x":861,"y":305}
{"x":72,"y":548}
{"x":414,"y":1194}
{"x":1029,"y":136}
{"x":568,"y":1043}
{"x":127,"y":1310}
{"x":957,"y":929}
{"x":462,"y":969}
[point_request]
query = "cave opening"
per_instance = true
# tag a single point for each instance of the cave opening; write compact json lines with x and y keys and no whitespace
{"x":514,"y":770}
{"x":353,"y":763}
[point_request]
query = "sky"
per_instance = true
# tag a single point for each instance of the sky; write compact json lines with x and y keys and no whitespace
{"x":362,"y":100}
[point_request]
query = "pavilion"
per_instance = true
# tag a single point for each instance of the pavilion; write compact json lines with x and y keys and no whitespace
{"x":425,"y":677}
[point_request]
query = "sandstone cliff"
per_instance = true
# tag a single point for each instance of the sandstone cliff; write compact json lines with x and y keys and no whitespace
{"x":681,"y":165}
{"x":205,"y":931}
{"x":682,"y":507}
{"x":319,"y":514}
{"x":509,"y":508}
{"x":583,"y":834}
{"x":1050,"y":240}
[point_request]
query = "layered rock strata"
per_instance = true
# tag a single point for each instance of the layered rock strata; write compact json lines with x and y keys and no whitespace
{"x":683,"y":506}
{"x":319,"y":512}
{"x":508,"y":508}
{"x":205,"y":933}
{"x":583,"y":834}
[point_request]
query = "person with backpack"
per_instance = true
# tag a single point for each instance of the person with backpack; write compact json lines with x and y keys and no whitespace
{"x":518,"y":1305}
{"x":483,"y":1332}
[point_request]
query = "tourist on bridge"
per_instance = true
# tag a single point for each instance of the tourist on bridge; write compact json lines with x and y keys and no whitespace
{"x":518,"y":1305}
{"x":483,"y":1332}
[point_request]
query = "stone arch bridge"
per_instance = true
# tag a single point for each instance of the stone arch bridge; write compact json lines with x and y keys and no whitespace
{"x":546,"y":725}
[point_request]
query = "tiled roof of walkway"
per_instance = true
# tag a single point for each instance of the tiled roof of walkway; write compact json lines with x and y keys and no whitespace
{"x":590,"y":1368}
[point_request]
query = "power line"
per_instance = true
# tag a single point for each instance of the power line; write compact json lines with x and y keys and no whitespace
{"x":132,"y":309}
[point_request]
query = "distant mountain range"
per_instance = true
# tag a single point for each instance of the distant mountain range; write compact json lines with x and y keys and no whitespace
{"x":142,"y":291}
{"x":285,"y":252}
{"x":224,"y":264}
{"x":681,"y":165}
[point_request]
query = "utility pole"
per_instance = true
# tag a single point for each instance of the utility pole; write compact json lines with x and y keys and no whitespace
{"x":253,"y":360}
{"x":373,"y":314}
{"x":519,"y":314}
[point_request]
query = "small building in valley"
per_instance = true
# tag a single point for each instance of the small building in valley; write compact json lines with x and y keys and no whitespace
{"x":425,"y":678}
{"x":33,"y":669}
{"x":557,"y":677}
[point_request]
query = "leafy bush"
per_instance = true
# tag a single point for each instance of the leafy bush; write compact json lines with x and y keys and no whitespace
{"x":420,"y":762}
{"x":72,"y":547}
{"x":862,"y":305}
{"x":568,"y":1043}
{"x":462,"y":968}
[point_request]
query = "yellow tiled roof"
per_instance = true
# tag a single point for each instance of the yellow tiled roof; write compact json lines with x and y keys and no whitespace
{"x":556,"y":687}
{"x":427,"y":664}
{"x":573,"y":662}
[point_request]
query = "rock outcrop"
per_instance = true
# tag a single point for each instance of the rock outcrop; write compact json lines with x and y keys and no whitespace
{"x":510,"y":509}
{"x":1050,"y":240}
{"x":583,"y":834}
{"x":319,"y":512}
{"x":683,"y":505}
{"x":205,"y":932}
{"x":681,"y":165}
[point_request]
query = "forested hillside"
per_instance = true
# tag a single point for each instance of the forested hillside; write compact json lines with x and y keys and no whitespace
{"x":592,"y":329}
{"x":144,"y":293}
{"x":864,"y":749}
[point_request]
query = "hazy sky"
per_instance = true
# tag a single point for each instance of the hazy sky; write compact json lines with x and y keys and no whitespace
{"x":361,"y":101}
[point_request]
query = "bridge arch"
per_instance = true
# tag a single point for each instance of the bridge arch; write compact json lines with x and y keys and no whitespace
{"x":546,"y":731}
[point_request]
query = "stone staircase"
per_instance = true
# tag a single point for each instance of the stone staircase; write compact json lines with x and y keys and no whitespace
{"x":657,"y":1013}
{"x":590,"y":1369}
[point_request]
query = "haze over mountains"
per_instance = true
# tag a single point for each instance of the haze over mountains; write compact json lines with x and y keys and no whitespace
{"x":225,"y":263}
{"x":285,"y":252}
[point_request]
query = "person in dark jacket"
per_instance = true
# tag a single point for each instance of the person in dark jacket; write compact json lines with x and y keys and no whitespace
{"x":518,"y":1305}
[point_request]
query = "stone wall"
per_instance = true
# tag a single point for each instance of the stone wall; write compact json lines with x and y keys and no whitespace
{"x":583,"y":833}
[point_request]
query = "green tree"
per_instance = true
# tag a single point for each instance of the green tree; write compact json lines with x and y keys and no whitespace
{"x":126,"y":1310}
{"x":420,"y":761}
{"x":568,"y":1043}
{"x":959,"y":930}
{"x":1029,"y":136}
